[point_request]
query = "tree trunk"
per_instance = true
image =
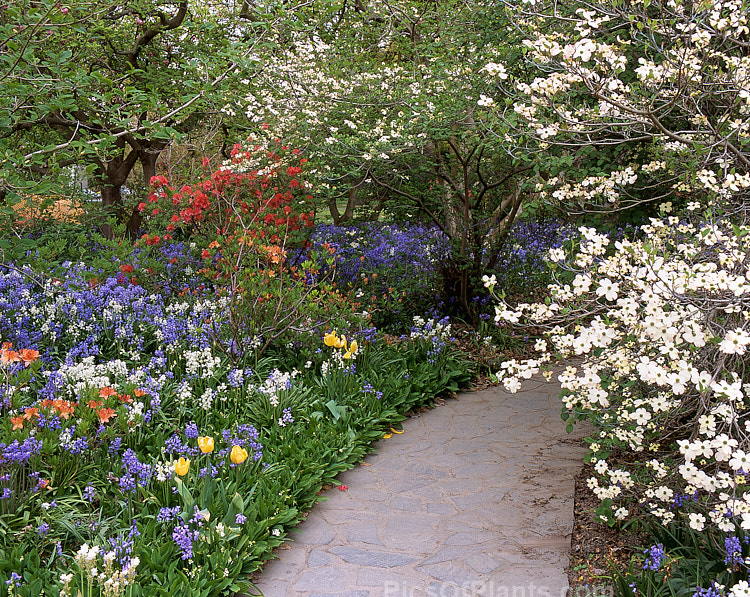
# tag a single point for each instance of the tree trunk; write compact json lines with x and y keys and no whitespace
{"x":340,"y":219}
{"x":113,"y":175}
{"x":112,"y":204}
{"x":148,"y":161}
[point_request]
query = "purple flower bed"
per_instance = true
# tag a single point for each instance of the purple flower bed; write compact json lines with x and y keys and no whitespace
{"x":410,"y":249}
{"x":406,"y":260}
{"x":80,"y":316}
{"x":521,"y":266}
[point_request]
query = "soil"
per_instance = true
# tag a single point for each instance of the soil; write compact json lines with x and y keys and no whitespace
{"x":595,"y":547}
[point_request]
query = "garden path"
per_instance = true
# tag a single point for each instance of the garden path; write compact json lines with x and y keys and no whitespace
{"x":474,"y":498}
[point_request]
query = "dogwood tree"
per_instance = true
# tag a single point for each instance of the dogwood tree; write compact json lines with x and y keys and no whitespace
{"x":392,"y":101}
{"x":655,"y":331}
{"x":665,"y":83}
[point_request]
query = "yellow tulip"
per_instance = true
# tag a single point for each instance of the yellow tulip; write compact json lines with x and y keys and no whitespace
{"x":341,"y":342}
{"x":182,"y":466}
{"x":352,"y":350}
{"x":238,"y":454}
{"x":330,"y":339}
{"x":206,"y":444}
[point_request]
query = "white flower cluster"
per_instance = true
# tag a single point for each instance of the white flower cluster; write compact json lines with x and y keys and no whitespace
{"x":207,"y":399}
{"x":277,"y":382}
{"x":658,"y":331}
{"x":87,"y":374}
{"x":578,"y":62}
{"x":201,"y":363}
{"x":431,"y":328}
{"x":112,"y":582}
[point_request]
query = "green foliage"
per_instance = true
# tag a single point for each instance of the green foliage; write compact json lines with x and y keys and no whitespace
{"x":307,"y":426}
{"x":682,"y":561}
{"x":109,"y":85}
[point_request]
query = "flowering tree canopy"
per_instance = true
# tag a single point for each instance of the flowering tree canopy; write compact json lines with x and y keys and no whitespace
{"x":666,"y":83}
{"x":650,"y":102}
{"x":393,"y":105}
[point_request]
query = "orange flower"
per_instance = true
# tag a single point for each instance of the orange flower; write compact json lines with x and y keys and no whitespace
{"x":7,"y":345}
{"x":64,"y":408}
{"x":30,"y":412}
{"x":29,"y":355}
{"x":94,"y":404}
{"x":9,"y":356}
{"x":106,"y":414}
{"x":124,"y":398}
{"x":17,"y":422}
{"x":46,"y":403}
{"x":107,"y":392}
{"x":139,"y":393}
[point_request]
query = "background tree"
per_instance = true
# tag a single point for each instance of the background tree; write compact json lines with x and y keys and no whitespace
{"x":389,"y":99}
{"x":110,"y":84}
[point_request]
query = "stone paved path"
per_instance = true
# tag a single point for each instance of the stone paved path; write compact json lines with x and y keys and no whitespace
{"x":475,"y":498}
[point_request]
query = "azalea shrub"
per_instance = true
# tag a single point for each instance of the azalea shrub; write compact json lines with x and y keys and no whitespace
{"x":258,"y":192}
{"x":656,"y":331}
{"x":137,"y":457}
{"x":242,"y":221}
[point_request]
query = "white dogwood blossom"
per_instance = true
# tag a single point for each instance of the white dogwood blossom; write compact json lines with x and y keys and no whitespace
{"x":657,"y":346}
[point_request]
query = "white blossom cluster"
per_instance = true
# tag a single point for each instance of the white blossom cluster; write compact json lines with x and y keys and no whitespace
{"x":111,"y":581}
{"x":430,"y":328}
{"x":88,"y":375}
{"x":657,"y":332}
{"x":201,"y":363}
{"x":698,"y":75}
{"x":276,"y":383}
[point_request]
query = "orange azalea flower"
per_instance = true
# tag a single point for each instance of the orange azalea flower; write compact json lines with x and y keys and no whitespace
{"x":29,"y":355}
{"x":94,"y":404}
{"x":9,"y":356}
{"x":124,"y":398}
{"x":46,"y":403}
{"x":139,"y":393}
{"x":43,"y":484}
{"x":213,"y":245}
{"x":17,"y":422}
{"x":107,"y":392}
{"x":30,"y":412}
{"x":64,"y":408}
{"x":7,"y":345}
{"x":106,"y":414}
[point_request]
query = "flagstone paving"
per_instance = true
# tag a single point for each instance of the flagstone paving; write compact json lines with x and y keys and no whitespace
{"x":474,"y":498}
